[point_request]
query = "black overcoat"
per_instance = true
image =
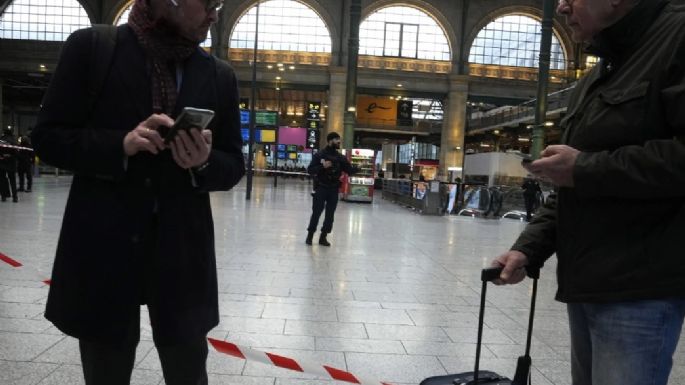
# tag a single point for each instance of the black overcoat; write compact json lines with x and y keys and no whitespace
{"x":99,"y":267}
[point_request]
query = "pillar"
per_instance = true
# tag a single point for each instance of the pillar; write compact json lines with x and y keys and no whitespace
{"x":336,"y":103}
{"x":350,"y":117}
{"x":454,"y":128}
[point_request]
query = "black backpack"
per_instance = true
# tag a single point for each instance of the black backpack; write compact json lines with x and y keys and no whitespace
{"x":103,"y":45}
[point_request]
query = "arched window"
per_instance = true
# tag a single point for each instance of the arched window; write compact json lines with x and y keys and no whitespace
{"x":284,"y":25}
{"x":123,"y":19}
{"x":52,"y":20}
{"x":514,"y":40}
{"x":403,"y":31}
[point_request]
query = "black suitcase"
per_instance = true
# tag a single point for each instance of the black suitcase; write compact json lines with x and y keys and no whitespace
{"x":522,"y":375}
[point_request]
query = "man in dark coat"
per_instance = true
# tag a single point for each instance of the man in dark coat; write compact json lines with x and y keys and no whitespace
{"x":616,"y":223}
{"x":138,"y":226}
{"x":8,"y":166}
{"x":326,"y":168}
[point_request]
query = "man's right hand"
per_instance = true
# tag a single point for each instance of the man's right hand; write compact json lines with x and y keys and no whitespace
{"x":514,"y":263}
{"x":327,"y":164}
{"x":145,"y":136}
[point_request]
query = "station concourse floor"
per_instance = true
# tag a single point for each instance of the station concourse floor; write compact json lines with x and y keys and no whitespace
{"x":395,"y":298}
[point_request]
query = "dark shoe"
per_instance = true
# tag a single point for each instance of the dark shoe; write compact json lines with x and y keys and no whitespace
{"x":15,"y":199}
{"x":323,"y":241}
{"x":310,"y":237}
{"x":20,"y":189}
{"x":28,"y":190}
{"x":4,"y":199}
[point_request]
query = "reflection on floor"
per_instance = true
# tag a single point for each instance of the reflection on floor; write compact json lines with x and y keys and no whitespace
{"x":394,"y":298}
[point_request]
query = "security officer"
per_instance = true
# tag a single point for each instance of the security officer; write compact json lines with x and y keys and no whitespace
{"x":326,"y":168}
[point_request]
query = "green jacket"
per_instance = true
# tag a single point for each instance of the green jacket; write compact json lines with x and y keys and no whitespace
{"x":619,"y":232}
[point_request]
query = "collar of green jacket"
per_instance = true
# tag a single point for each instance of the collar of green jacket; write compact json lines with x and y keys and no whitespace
{"x":616,"y":40}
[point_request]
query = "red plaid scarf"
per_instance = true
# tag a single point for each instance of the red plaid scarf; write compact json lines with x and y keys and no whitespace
{"x":164,"y":49}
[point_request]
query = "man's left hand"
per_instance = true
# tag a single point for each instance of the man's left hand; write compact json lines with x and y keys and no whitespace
{"x":555,"y":165}
{"x":191,"y":148}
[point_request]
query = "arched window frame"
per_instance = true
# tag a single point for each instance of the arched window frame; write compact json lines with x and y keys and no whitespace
{"x":401,"y":29}
{"x":556,"y":40}
{"x":43,"y":20}
{"x":242,"y":34}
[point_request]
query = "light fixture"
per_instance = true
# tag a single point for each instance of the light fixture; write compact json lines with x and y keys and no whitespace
{"x":42,"y":66}
{"x":279,"y":64}
{"x":351,"y":109}
{"x":549,"y":124}
{"x":399,"y":85}
{"x":392,"y":98}
{"x":484,"y":145}
{"x":524,"y":140}
{"x":278,"y":88}
{"x":530,"y":126}
{"x":269,"y":66}
{"x":281,"y":69}
{"x":496,"y":132}
{"x":292,"y":67}
{"x":278,"y":78}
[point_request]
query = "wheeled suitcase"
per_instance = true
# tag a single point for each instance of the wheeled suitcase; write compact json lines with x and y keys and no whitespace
{"x":522,"y":375}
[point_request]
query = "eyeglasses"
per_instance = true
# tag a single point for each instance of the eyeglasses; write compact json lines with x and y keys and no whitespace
{"x":214,"y":5}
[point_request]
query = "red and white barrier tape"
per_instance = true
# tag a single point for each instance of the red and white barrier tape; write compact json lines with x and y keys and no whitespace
{"x":250,"y":354}
{"x":280,"y":172}
{"x":16,"y":147}
{"x":16,"y":264}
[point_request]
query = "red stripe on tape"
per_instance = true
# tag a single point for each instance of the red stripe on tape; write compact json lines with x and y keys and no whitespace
{"x":9,"y":260}
{"x":47,"y":281}
{"x":226,"y":348}
{"x":341,"y":375}
{"x":284,"y":362}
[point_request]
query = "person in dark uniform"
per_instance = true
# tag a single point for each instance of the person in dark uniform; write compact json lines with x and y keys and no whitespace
{"x":531,"y":189}
{"x":25,"y":159}
{"x":8,"y":167}
{"x":326,"y":168}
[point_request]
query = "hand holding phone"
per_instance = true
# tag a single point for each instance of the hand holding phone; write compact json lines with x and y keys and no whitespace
{"x":189,"y":118}
{"x":525,"y":158}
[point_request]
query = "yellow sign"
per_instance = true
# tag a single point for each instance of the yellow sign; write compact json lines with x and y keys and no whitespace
{"x":376,"y":110}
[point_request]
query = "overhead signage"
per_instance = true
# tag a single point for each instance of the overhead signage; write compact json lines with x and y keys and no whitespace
{"x":313,"y":138}
{"x":404,"y":112}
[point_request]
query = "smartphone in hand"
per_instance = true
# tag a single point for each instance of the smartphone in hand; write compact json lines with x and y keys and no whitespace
{"x":525,"y":158}
{"x":189,"y":118}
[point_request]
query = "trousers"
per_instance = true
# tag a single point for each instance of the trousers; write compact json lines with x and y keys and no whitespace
{"x":183,"y":363}
{"x":324,"y":197}
{"x":624,"y":343}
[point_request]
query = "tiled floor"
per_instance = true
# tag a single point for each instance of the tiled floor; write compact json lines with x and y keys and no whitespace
{"x":395,"y":298}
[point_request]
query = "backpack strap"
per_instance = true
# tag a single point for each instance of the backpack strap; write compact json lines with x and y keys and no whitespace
{"x":103,"y":44}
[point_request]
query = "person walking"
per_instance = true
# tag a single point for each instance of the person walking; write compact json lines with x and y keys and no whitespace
{"x":531,"y":193}
{"x":326,"y":169}
{"x":138,"y":226}
{"x":25,"y":164}
{"x":616,"y":220}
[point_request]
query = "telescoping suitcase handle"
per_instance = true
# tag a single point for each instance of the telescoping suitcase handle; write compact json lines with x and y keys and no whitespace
{"x":524,"y":362}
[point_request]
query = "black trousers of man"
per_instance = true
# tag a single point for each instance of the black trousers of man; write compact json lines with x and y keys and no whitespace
{"x":8,"y":184}
{"x":25,"y":172}
{"x":530,"y":205}
{"x":324,"y":197}
{"x":184,"y":362}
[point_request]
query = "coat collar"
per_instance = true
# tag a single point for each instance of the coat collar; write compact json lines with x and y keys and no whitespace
{"x":614,"y":42}
{"x":197,"y":75}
